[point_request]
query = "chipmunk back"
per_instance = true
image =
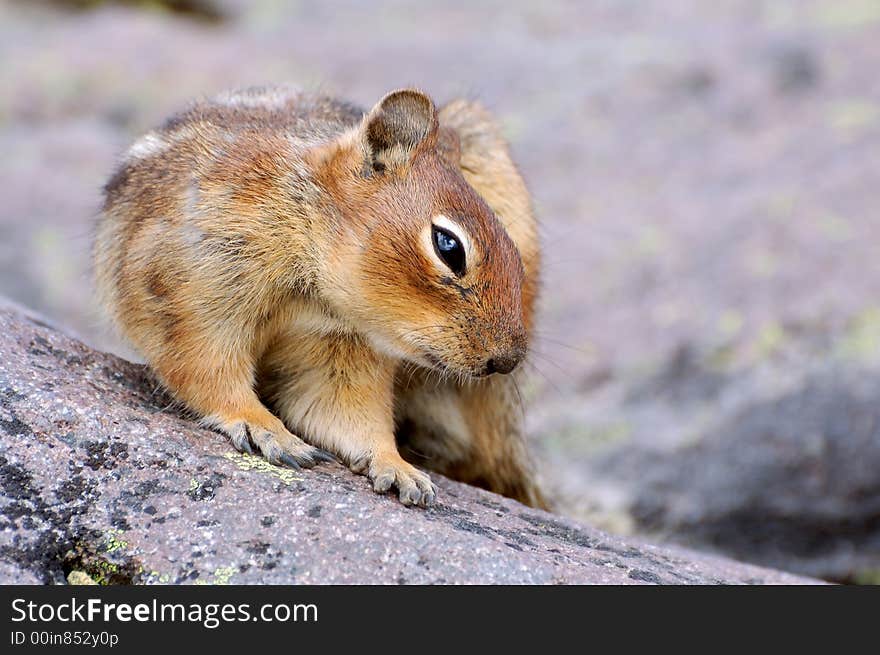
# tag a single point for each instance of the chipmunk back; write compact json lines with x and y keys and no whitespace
{"x":310,"y":278}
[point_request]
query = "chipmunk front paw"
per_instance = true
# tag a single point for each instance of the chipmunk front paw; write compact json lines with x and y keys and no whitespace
{"x":389,"y":469}
{"x":278,"y":446}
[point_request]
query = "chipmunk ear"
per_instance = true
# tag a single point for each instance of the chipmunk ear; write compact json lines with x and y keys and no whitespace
{"x":400,"y":126}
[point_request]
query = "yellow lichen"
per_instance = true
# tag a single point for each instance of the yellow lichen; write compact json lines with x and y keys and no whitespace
{"x":770,"y":339}
{"x":254,"y":463}
{"x":80,"y":578}
{"x":587,"y":438}
{"x":867,"y":577}
{"x":114,"y":543}
{"x":730,"y":324}
{"x":221,"y":576}
{"x":862,"y":340}
{"x":851,"y":117}
{"x":846,"y":14}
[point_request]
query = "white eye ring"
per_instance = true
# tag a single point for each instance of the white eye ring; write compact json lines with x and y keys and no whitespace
{"x":456,"y":230}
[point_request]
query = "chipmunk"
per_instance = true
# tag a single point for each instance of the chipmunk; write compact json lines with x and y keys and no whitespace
{"x":369,"y":277}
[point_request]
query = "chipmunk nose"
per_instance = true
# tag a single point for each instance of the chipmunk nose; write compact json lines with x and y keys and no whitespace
{"x":504,"y":363}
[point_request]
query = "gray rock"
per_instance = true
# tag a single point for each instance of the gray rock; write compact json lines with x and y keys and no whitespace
{"x":102,"y":476}
{"x":789,"y":482}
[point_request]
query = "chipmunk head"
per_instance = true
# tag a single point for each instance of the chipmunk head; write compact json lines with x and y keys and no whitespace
{"x":420,"y":259}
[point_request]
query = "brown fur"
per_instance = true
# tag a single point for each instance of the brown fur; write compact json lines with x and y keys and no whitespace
{"x":269,"y":247}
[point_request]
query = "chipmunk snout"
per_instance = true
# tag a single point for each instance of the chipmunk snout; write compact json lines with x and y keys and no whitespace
{"x":504,"y":362}
{"x":507,"y":354}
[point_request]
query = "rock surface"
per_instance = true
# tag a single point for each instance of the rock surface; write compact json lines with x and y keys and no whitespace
{"x":790,"y":482}
{"x":100,"y":476}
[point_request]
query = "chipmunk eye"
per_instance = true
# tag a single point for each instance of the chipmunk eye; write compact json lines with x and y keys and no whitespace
{"x":450,"y":250}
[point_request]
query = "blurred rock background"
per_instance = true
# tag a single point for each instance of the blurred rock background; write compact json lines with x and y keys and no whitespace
{"x":707,"y":176}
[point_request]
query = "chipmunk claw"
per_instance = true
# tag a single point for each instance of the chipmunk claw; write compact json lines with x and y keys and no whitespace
{"x":241,"y":439}
{"x":383,"y":482}
{"x":417,"y":493}
{"x":413,"y":486}
{"x":429,"y":496}
{"x":279,"y":447}
{"x":321,"y":455}
{"x":288,"y":459}
{"x":244,"y":446}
